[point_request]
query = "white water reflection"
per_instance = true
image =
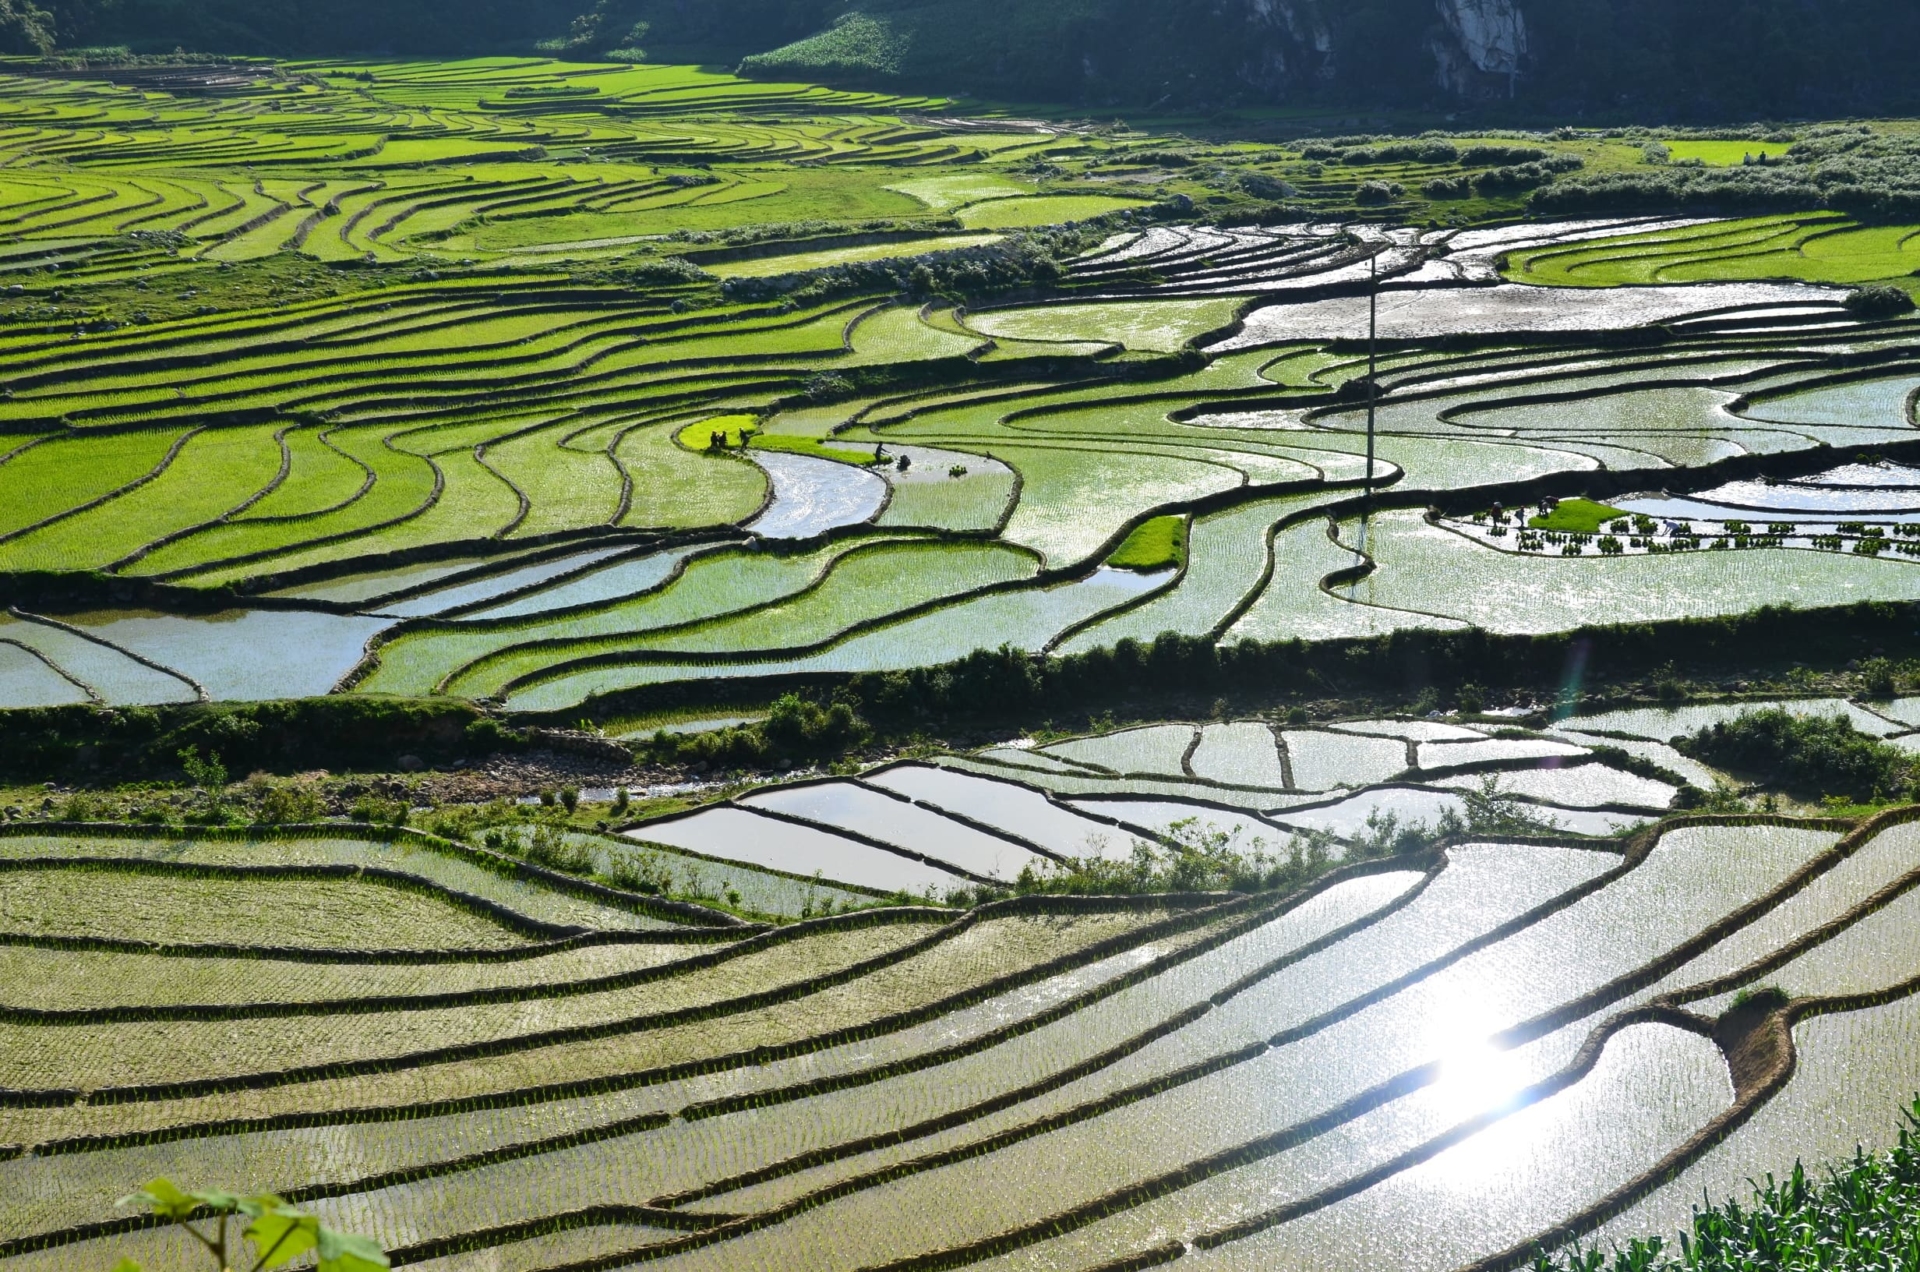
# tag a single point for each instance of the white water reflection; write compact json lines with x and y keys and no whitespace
{"x":26,"y":681}
{"x":1512,"y":307}
{"x":812,"y":495}
{"x":475,"y":591}
{"x":608,"y":583}
{"x":244,"y":655}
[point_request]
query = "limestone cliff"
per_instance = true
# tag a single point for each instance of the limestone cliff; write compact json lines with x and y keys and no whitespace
{"x":1562,"y":58}
{"x":1481,"y":47}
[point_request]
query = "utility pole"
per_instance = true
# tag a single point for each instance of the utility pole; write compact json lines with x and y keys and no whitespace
{"x":1373,"y":362}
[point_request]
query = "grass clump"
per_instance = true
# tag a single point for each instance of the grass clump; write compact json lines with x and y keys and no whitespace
{"x":1760,"y":998}
{"x":1801,"y":754}
{"x":1195,"y":855}
{"x":1578,"y":516}
{"x":1864,"y":1215}
{"x":1155,"y":545}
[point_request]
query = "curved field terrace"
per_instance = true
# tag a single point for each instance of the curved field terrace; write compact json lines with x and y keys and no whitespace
{"x":998,"y":582}
{"x":1440,"y":1057}
{"x":528,"y":405}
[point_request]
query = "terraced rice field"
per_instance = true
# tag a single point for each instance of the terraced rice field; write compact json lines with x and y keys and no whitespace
{"x":1436,"y":1059}
{"x":546,"y":384}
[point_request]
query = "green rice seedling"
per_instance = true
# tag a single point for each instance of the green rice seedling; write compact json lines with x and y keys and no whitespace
{"x":64,"y":473}
{"x":722,"y":582}
{"x":1155,"y":545}
{"x":1004,"y":214}
{"x":1153,"y":326}
{"x":216,"y":473}
{"x":1576,"y":516}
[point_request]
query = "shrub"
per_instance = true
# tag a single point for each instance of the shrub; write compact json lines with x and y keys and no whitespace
{"x":1482,"y":156}
{"x":1375,"y":192}
{"x":278,"y":803}
{"x":659,"y":271}
{"x":1525,"y":176}
{"x":1028,"y":259}
{"x":548,"y":845}
{"x":375,"y":811}
{"x":1261,"y":186}
{"x":1877,"y":678}
{"x":640,"y":874}
{"x":801,"y":727}
{"x":1879,"y":301}
{"x":208,"y":774}
{"x":1493,"y":811}
{"x":1191,"y":857}
{"x":1812,"y":754}
{"x":795,"y":728}
{"x":1403,"y":152}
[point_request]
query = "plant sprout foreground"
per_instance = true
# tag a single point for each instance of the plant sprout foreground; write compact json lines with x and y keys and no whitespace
{"x":278,"y":1233}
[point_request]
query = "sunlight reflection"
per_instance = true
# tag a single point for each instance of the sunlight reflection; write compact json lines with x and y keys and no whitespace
{"x":1475,"y":1076}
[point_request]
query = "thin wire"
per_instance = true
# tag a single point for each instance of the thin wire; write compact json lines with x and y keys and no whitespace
{"x":1373,"y":362}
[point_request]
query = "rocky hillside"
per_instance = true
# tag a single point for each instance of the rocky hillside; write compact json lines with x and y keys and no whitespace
{"x":1696,"y":59}
{"x":1688,"y":60}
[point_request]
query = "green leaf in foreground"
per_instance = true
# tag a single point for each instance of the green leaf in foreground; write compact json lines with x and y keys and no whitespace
{"x":164,"y":1198}
{"x":342,"y":1253}
{"x":279,"y":1232}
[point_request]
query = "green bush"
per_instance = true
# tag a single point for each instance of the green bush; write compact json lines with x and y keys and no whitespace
{"x":549,"y":845}
{"x":1196,"y":856}
{"x":1879,"y":301}
{"x":280,"y":803}
{"x":795,"y":729}
{"x":1814,"y":755}
{"x":1878,"y":678}
{"x":799,"y":727}
{"x":375,"y":811}
{"x":342,"y":731}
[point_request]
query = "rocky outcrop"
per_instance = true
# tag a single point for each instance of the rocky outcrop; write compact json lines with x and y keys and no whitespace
{"x":1206,"y":53}
{"x":1298,"y":46}
{"x":1480,"y":49}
